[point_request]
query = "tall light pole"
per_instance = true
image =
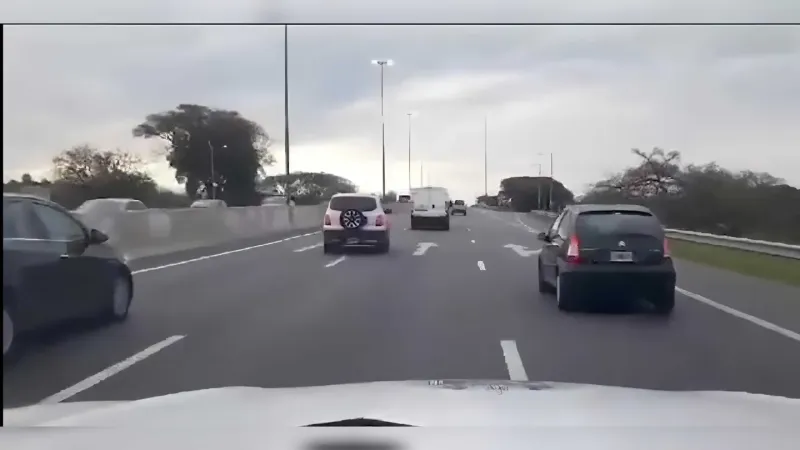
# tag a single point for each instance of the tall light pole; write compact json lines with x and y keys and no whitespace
{"x":410,"y":114}
{"x":539,"y":187}
{"x":286,"y":95}
{"x":383,"y":63}
{"x":213,"y":177}
{"x":552,"y":183}
{"x":485,"y":156}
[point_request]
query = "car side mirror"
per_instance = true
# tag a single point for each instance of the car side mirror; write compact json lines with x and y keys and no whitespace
{"x":387,"y":210}
{"x":97,"y":237}
{"x":543,"y":237}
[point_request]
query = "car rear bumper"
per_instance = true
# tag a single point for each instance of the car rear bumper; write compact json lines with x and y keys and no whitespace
{"x":355,"y":237}
{"x":611,"y":282}
{"x":430,"y":220}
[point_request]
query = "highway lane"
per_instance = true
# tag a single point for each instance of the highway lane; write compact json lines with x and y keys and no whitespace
{"x":287,"y":315}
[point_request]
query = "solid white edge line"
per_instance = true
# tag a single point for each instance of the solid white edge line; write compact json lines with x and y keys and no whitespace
{"x":735,"y":312}
{"x":481,"y":265}
{"x":335,"y":261}
{"x":230,"y":252}
{"x":110,"y":371}
{"x":516,"y":371}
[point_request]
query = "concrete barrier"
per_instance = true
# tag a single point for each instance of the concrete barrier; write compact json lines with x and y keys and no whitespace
{"x":138,"y":234}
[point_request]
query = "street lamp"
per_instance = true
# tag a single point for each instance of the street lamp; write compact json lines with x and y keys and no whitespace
{"x":409,"y":114}
{"x":383,"y":63}
{"x":213,"y":178}
{"x":550,"y":191}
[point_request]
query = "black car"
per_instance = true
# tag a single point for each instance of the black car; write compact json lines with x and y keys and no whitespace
{"x":56,"y":269}
{"x":600,"y":255}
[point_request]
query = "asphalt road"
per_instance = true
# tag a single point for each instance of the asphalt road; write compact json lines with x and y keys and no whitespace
{"x":456,"y":304}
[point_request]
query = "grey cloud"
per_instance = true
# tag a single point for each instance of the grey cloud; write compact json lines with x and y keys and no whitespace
{"x":397,"y":11}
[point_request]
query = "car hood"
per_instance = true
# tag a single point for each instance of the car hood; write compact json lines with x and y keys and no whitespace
{"x":437,"y":403}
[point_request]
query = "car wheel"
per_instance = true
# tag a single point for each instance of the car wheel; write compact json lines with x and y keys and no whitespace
{"x":564,"y":299}
{"x":413,"y":224}
{"x":544,"y":286}
{"x":8,"y":333}
{"x":383,"y":247}
{"x":120,"y":299}
{"x":447,"y":225}
{"x":665,"y":304}
{"x":326,"y":248}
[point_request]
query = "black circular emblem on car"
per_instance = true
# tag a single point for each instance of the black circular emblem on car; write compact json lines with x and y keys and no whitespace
{"x":352,"y":219}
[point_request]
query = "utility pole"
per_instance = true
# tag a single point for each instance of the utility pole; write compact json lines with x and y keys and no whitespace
{"x":286,"y":95}
{"x":409,"y":153}
{"x":552,"y":183}
{"x":383,"y":63}
{"x":213,"y":178}
{"x":485,"y":156}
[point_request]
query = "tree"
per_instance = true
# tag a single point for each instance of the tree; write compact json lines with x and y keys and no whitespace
{"x":308,"y":187}
{"x":83,"y":173}
{"x":197,"y":135}
{"x":391,"y":197}
{"x":527,"y":193}
{"x":705,"y":198}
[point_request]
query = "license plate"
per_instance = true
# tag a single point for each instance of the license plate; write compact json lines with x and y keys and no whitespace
{"x":352,"y":240}
{"x":621,"y":257}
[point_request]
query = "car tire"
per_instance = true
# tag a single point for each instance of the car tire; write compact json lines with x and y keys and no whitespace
{"x":564,"y":297}
{"x":664,"y":305}
{"x":326,"y":248}
{"x":413,"y":223}
{"x":544,"y":286}
{"x":447,"y":224}
{"x":121,"y":298}
{"x":8,"y":333}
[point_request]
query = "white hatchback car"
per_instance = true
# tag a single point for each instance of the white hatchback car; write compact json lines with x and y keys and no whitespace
{"x":355,"y":220}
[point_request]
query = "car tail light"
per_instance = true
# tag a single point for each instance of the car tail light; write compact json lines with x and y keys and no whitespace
{"x":573,"y":251}
{"x":667,"y":253}
{"x":327,"y":219}
{"x":379,"y":221}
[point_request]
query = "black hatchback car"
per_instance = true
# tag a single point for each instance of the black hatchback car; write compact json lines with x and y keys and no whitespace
{"x":56,"y":269}
{"x":604,"y":255}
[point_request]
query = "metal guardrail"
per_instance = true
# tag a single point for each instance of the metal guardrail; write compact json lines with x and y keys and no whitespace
{"x":752,"y":245}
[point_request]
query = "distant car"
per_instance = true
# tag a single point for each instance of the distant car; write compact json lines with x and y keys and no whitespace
{"x":430,"y":206}
{"x":404,"y":198}
{"x":56,"y":269}
{"x":598,"y":254}
{"x":459,"y":207}
{"x":209,"y":203}
{"x":355,"y":220}
{"x":109,"y":206}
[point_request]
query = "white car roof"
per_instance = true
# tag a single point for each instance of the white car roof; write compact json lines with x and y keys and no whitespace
{"x":353,"y":194}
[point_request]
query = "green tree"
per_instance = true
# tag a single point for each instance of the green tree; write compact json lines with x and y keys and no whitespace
{"x":84,"y":172}
{"x":391,"y":197}
{"x":198,"y":136}
{"x":527,"y":193}
{"x":308,"y":187}
{"x":705,"y":198}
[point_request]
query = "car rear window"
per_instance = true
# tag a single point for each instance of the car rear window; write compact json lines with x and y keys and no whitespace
{"x":611,"y":223}
{"x":460,"y":202}
{"x":348,"y":202}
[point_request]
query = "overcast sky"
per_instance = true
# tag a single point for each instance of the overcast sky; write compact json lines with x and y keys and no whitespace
{"x":588,"y":94}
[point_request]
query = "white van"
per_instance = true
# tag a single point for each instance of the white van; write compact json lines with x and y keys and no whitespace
{"x":430,"y":206}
